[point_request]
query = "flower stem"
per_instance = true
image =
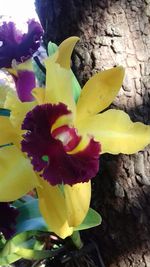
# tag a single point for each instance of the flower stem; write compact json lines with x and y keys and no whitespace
{"x":76,"y":239}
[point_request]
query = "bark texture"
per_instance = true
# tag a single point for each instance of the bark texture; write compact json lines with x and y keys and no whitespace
{"x":114,"y":33}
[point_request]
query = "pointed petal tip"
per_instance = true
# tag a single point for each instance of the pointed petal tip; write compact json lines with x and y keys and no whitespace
{"x":65,"y":51}
{"x":122,"y":72}
{"x":64,"y":234}
{"x":70,"y":40}
{"x":121,"y":68}
{"x":53,"y":209}
{"x":75,"y":38}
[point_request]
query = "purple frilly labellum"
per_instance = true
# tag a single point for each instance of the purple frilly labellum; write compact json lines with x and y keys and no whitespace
{"x":49,"y":151}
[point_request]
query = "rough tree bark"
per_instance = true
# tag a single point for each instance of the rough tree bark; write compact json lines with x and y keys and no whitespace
{"x":114,"y":33}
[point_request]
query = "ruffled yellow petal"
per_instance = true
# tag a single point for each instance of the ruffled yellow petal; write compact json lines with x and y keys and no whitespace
{"x":58,"y":85}
{"x":53,"y":208}
{"x":116,"y":132}
{"x":17,"y":176}
{"x":65,"y":50}
{"x":77,"y":199}
{"x":18,"y":109}
{"x":99,"y":92}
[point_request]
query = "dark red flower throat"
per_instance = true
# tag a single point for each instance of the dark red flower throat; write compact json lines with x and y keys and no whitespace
{"x":48,"y":149}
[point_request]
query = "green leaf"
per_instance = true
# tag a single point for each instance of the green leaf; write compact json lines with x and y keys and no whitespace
{"x":4,"y":261}
{"x":2,"y":241}
{"x":52,"y":48}
{"x":9,"y":254}
{"x":32,"y":224}
{"x":18,"y":203}
{"x":76,"y":239}
{"x":25,"y":245}
{"x":29,"y":210}
{"x":76,"y":87}
{"x":32,"y":254}
{"x":30,"y":218}
{"x":92,"y":219}
{"x":18,"y":240}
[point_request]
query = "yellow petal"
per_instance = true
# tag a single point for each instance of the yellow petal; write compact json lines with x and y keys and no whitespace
{"x":116,"y":132}
{"x":65,"y":50}
{"x":99,"y":92}
{"x":7,"y":132}
{"x":26,"y":65}
{"x":18,"y":109}
{"x":82,"y":144}
{"x":12,"y":71}
{"x":39,"y":94}
{"x":77,"y":199}
{"x":53,"y":208}
{"x":3,"y":93}
{"x":58,"y":85}
{"x":16,"y":174}
{"x":63,"y":120}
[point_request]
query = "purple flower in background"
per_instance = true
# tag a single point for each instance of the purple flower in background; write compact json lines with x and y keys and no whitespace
{"x":18,"y":46}
{"x":8,"y":216}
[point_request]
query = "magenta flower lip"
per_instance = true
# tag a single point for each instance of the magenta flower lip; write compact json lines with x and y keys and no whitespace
{"x":16,"y":45}
{"x":48,"y":152}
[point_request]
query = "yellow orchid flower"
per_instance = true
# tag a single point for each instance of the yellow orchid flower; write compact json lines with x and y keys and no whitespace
{"x":56,"y":141}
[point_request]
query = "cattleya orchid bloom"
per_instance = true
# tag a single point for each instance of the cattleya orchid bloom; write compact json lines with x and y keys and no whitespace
{"x":57,"y":143}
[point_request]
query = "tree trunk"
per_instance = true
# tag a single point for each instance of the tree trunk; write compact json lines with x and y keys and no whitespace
{"x":114,"y":33}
